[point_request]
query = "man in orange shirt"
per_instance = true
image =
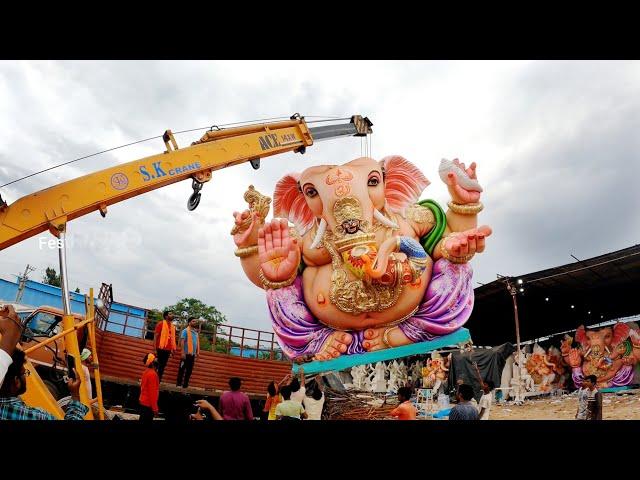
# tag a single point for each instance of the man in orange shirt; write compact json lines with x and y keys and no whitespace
{"x":165,"y":340}
{"x":406,"y":410}
{"x":149,"y":389}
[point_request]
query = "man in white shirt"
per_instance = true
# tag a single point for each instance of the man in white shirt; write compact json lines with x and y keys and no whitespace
{"x":313,"y":404}
{"x":589,"y":400}
{"x":484,"y":407}
{"x":298,"y":389}
{"x":10,"y":331}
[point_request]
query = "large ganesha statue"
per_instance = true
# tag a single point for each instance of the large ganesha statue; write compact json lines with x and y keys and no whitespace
{"x":609,"y":353}
{"x":368,"y":266}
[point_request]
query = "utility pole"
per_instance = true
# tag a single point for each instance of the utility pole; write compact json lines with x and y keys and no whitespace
{"x":22,"y":282}
{"x":513,"y":290}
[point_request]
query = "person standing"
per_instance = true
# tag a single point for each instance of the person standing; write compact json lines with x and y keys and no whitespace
{"x":486,"y":400}
{"x":85,"y":356}
{"x":190,"y":349}
{"x":464,"y":410}
{"x":289,"y":409}
{"x":406,"y":410}
{"x":165,"y":340}
{"x":149,"y":389}
{"x":313,"y":404}
{"x":298,"y":387}
{"x":589,"y":400}
{"x":234,"y":404}
{"x":273,"y":398}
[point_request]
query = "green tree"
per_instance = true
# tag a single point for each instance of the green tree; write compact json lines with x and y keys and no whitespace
{"x":153,"y":317}
{"x":51,"y":277}
{"x":192,"y":307}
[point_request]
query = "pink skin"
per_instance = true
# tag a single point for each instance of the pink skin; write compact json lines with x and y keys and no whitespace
{"x":468,"y":242}
{"x":459,"y":194}
{"x":336,"y":345}
{"x":250,"y":235}
{"x":279,"y":254}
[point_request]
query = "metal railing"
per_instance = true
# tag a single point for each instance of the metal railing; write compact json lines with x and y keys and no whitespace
{"x":228,"y":339}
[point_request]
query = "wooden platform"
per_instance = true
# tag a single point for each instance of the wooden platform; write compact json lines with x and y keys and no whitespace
{"x":121,"y":362}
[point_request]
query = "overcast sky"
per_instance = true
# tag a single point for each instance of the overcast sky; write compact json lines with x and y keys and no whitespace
{"x":557,"y":146}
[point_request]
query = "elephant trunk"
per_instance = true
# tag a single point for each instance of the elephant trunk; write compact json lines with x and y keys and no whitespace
{"x":382,"y":258}
{"x":416,"y":256}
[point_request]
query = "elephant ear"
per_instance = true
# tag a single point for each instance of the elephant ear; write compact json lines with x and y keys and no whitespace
{"x":620,"y":333}
{"x":403,"y":183}
{"x":289,"y":203}
{"x":581,"y":335}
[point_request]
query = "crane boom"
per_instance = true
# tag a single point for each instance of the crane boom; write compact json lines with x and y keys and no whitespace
{"x":51,"y":208}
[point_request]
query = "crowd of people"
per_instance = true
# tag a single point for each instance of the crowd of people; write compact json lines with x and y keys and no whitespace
{"x":288,"y":399}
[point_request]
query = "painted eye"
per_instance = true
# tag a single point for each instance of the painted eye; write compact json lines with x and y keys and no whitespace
{"x":310,"y":192}
{"x":373,"y":182}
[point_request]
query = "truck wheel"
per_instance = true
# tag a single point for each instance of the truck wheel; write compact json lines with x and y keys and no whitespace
{"x":53,"y":389}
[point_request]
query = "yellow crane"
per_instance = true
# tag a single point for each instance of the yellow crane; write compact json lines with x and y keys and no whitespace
{"x":52,"y":208}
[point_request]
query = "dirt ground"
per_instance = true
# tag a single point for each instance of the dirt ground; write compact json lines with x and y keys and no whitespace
{"x":621,"y":406}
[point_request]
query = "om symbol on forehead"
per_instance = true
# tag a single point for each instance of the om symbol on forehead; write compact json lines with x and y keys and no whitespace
{"x":340,"y":179}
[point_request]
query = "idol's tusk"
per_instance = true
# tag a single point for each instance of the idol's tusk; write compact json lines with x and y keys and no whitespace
{"x":319,"y":234}
{"x":384,"y":220}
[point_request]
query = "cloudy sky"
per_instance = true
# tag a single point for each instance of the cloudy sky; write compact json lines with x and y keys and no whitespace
{"x":557,"y":146}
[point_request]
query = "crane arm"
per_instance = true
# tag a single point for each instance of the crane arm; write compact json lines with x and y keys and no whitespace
{"x":51,"y":208}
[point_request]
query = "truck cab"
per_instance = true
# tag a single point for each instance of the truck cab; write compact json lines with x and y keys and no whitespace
{"x":41,"y":323}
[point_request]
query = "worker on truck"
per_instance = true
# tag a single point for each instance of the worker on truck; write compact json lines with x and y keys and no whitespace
{"x":190,"y":349}
{"x":165,"y":340}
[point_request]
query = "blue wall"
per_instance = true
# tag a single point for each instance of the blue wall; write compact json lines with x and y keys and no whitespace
{"x":37,"y":294}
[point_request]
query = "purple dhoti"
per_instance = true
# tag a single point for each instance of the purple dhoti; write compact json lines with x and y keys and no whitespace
{"x":445,"y":307}
{"x":622,"y":378}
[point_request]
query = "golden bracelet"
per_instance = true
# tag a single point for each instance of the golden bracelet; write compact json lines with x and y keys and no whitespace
{"x":274,"y":285}
{"x":464,"y":259}
{"x":447,"y":256}
{"x":466,"y":209}
{"x":246,"y":251}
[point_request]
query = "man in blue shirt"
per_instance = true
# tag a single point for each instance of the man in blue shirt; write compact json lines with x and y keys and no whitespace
{"x":190,"y":349}
{"x":464,"y":410}
{"x":15,"y":384}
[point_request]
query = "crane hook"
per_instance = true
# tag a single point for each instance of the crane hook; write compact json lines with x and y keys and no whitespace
{"x":194,"y":199}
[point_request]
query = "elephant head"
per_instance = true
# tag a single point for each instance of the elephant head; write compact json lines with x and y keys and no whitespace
{"x":601,"y":342}
{"x":346,"y":198}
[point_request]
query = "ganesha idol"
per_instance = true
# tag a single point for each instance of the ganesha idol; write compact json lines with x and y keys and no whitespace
{"x":368,"y":266}
{"x":608,"y":353}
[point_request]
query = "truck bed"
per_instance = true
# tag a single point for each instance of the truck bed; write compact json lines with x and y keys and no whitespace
{"x":121,"y":357}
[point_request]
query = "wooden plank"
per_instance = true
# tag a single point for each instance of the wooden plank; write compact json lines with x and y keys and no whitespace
{"x":121,"y":357}
{"x":347,"y":361}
